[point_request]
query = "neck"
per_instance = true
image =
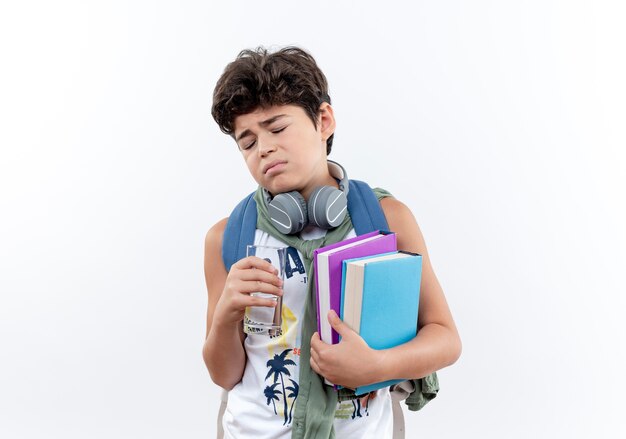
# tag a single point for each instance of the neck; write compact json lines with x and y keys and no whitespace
{"x":327,"y":181}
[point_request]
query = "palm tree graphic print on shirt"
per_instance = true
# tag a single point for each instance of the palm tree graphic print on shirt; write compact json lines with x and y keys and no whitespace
{"x":278,"y":369}
{"x":272,"y":395}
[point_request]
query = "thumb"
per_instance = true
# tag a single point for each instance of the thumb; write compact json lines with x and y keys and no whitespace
{"x":337,"y":324}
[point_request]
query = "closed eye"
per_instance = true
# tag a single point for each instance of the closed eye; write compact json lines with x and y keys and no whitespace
{"x":249,"y":145}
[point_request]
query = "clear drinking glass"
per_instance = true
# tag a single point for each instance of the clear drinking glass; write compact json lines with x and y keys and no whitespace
{"x":266,"y":320}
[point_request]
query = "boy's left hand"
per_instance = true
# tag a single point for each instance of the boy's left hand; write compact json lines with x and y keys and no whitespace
{"x":350,"y":363}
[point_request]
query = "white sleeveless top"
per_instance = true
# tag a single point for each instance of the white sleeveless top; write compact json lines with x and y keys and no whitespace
{"x":262,"y":404}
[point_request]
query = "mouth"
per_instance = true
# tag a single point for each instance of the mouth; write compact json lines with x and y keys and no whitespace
{"x":275,"y":165}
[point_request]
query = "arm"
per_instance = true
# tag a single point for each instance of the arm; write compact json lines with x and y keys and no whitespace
{"x":436,"y":345}
{"x":223,"y":350}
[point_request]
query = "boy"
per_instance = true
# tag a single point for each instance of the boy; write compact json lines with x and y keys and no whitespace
{"x":277,"y":109}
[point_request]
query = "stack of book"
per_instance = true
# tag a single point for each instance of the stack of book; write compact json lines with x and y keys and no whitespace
{"x":373,"y":287}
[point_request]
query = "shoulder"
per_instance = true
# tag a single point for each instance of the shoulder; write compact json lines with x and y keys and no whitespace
{"x":398,"y":215}
{"x":214,"y":237}
{"x":403,"y":223}
{"x":396,"y":211}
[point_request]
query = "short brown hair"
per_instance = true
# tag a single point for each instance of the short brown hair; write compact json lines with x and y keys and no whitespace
{"x":260,"y":79}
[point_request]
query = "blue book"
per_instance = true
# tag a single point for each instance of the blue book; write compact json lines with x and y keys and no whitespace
{"x":380,"y":301}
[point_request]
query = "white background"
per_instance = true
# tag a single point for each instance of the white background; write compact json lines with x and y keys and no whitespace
{"x":500,"y":123}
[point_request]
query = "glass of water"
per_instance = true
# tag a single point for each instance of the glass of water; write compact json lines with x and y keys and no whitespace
{"x":266,"y":320}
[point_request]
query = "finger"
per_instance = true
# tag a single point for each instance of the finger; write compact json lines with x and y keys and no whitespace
{"x":261,"y":301}
{"x":316,"y":346}
{"x":315,"y":356}
{"x":261,"y":275}
{"x":337,"y":324}
{"x":245,"y":301}
{"x":255,"y":262}
{"x":257,"y":286}
{"x":314,"y":366}
{"x":315,"y":340}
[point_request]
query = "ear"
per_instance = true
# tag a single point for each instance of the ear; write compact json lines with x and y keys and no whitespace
{"x":326,"y":121}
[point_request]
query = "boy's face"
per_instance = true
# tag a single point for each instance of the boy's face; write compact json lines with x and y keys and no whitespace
{"x":283,"y":149}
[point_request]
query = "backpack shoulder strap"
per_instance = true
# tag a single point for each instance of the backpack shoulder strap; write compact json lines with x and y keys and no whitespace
{"x":364,"y":207}
{"x":239,"y":231}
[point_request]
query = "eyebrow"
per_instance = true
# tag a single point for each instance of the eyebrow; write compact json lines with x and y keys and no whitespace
{"x":264,"y":123}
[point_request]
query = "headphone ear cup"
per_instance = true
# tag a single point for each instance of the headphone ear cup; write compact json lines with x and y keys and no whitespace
{"x":288,"y":212}
{"x":327,"y":207}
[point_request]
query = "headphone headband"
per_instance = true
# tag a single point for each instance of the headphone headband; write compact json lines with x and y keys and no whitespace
{"x":337,"y":171}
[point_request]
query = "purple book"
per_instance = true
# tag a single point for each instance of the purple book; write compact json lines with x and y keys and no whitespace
{"x":328,"y":262}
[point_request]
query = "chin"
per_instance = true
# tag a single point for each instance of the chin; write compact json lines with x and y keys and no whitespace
{"x":275,"y":186}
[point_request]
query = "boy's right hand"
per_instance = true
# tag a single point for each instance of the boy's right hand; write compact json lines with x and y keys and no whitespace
{"x":248,"y":275}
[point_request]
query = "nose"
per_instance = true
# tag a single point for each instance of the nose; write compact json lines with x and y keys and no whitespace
{"x":265,"y":145}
